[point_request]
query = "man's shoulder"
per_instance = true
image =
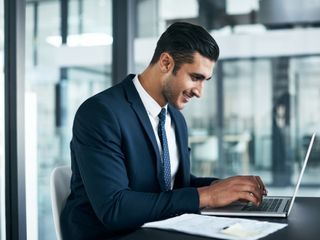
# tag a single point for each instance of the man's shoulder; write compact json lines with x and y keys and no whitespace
{"x":110,"y":106}
{"x":117,"y":90}
{"x":110,"y":96}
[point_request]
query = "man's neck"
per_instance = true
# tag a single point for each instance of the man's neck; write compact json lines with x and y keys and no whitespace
{"x":151,"y":81}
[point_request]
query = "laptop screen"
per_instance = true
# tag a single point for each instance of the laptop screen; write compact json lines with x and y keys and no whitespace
{"x":302,"y":171}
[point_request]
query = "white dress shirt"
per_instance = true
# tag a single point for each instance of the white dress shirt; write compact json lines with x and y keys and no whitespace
{"x":153,"y":109}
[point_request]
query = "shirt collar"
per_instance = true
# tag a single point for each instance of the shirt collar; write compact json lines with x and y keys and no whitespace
{"x":152,"y":107}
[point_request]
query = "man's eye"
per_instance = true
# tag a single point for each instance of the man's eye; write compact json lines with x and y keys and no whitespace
{"x":194,"y":78}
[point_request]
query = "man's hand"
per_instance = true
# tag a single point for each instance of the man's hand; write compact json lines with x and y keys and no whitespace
{"x":223,"y":192}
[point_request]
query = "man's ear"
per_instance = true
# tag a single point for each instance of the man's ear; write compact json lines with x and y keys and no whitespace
{"x":166,"y":62}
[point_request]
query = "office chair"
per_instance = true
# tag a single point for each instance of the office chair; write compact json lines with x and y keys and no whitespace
{"x":59,"y":189}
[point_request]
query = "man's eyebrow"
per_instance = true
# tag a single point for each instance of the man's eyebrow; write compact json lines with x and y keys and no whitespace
{"x":199,"y":76}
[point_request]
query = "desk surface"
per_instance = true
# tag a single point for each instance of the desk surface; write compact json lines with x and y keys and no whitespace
{"x":303,"y":223}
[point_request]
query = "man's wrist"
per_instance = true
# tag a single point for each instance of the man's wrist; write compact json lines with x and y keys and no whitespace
{"x":203,"y":196}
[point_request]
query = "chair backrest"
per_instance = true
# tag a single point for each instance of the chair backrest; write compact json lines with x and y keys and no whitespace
{"x":60,"y":189}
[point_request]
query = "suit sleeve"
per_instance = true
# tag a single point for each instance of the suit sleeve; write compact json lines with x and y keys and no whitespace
{"x":201,"y":181}
{"x":96,"y":145}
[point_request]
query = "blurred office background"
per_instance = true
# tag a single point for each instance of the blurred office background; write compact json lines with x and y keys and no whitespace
{"x":256,"y":115}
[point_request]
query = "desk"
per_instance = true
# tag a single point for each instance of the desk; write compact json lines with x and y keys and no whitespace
{"x":303,"y":224}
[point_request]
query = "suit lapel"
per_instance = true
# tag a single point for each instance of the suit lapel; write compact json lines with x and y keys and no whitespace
{"x":182,"y":143}
{"x":138,"y":107}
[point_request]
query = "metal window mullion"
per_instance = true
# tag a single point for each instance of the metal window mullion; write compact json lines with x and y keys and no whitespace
{"x":14,"y":68}
{"x":220,"y":119}
{"x":123,"y":30}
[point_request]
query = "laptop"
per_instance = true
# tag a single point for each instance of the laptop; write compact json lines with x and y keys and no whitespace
{"x":271,"y":206}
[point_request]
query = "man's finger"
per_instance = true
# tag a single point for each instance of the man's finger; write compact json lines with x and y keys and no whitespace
{"x":261,"y":184}
{"x":250,"y":197}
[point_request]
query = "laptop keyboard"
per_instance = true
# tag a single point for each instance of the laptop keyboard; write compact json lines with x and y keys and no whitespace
{"x":267,"y":205}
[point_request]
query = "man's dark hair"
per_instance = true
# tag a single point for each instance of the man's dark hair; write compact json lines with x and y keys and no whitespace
{"x":181,"y":40}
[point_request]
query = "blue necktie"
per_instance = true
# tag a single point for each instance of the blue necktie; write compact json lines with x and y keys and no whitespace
{"x":165,"y":149}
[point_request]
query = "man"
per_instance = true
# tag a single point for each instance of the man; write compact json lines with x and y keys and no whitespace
{"x":130,"y":165}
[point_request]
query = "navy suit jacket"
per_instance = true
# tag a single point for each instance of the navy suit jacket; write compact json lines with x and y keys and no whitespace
{"x":116,"y":182}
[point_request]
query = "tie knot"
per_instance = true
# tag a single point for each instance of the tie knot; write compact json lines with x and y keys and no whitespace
{"x":162,"y":115}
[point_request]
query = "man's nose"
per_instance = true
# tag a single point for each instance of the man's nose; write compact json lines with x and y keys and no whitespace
{"x":197,"y":91}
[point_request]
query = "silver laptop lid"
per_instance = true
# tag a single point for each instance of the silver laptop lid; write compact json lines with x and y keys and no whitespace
{"x":302,"y":171}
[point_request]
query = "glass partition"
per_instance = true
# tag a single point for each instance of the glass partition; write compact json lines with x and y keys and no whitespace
{"x":247,"y":88}
{"x":59,"y":77}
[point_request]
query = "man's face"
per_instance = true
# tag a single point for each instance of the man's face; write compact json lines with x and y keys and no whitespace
{"x":188,"y":81}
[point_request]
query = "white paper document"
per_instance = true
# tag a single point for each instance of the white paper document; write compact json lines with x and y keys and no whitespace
{"x":218,"y":227}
